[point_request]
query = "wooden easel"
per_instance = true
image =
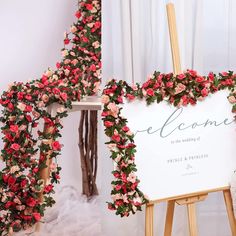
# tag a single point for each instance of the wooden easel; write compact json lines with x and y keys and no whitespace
{"x":191,"y":199}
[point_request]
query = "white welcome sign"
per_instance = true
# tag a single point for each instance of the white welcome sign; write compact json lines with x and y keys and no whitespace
{"x":183,"y":150}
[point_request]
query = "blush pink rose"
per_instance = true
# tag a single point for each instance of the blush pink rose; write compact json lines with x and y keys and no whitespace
{"x":180,"y":88}
{"x":232,"y":99}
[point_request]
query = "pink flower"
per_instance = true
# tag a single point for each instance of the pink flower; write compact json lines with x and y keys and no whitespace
{"x":150,"y":92}
{"x":113,"y":109}
{"x":179,"y":88}
{"x":169,"y":84}
{"x":204,"y":92}
{"x":21,"y":106}
{"x":15,"y":146}
{"x":116,"y":137}
{"x":132,"y":177}
{"x":193,"y":73}
{"x":14,"y":128}
{"x":45,"y":98}
{"x":108,"y":124}
{"x":125,"y":128}
{"x":105,"y":99}
{"x":118,"y":187}
{"x":181,"y":76}
{"x":92,"y":67}
{"x":36,"y":216}
{"x":200,"y":79}
{"x":130,"y":96}
{"x":232,"y":99}
{"x":64,"y":96}
{"x":224,"y":73}
{"x":56,"y":146}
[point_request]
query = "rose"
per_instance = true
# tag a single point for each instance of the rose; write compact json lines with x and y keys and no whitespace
{"x":108,"y":124}
{"x":179,"y":88}
{"x":169,"y":84}
{"x":73,"y":29}
{"x":36,"y":216}
{"x":45,"y":98}
{"x":150,"y":92}
{"x":89,"y":7}
{"x":48,"y":188}
{"x":64,"y":96}
{"x":130,"y":96}
{"x":15,"y":146}
{"x":66,"y":41}
{"x":11,"y":180}
{"x":113,"y":109}
{"x":116,"y":137}
{"x":232,"y":99}
{"x":125,"y":128}
{"x":56,"y":146}
{"x":204,"y":92}
{"x":78,"y":14}
{"x":21,"y":106}
{"x":105,"y":99}
{"x":31,"y":202}
{"x":181,"y":76}
{"x":97,"y":24}
{"x":200,"y":79}
{"x":14,"y":128}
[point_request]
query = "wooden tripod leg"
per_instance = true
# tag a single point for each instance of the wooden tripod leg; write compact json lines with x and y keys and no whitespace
{"x":230,"y":211}
{"x":192,"y":219}
{"x":169,"y":218}
{"x":149,"y":220}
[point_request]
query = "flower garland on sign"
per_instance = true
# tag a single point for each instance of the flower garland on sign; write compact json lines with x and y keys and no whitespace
{"x":181,"y":90}
{"x":26,"y":146}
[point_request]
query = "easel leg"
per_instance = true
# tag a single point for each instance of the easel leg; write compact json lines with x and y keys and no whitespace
{"x":169,"y":218}
{"x":230,"y":211}
{"x":192,"y":221}
{"x":149,"y":220}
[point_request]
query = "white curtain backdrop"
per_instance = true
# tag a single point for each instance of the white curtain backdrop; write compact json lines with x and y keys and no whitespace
{"x":30,"y":42}
{"x":136,"y":42}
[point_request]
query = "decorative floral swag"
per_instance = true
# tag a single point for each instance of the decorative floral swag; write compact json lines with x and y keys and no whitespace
{"x":181,"y":90}
{"x":26,"y":145}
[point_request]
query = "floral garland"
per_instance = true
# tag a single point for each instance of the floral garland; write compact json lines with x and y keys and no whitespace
{"x":181,"y":90}
{"x":25,"y":145}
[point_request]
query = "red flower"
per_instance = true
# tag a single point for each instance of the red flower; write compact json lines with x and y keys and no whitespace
{"x":150,"y":92}
{"x":28,"y":97}
{"x":108,"y":123}
{"x":200,"y":79}
{"x":119,"y":203}
{"x":36,"y":216}
{"x":125,"y":128}
{"x":105,"y":113}
{"x":15,"y":146}
{"x":93,"y":67}
{"x":204,"y":92}
{"x":56,"y":146}
{"x":48,"y":188}
{"x":11,"y":180}
{"x":116,"y":137}
{"x":181,"y":76}
{"x":130,"y":96}
{"x":64,"y":96}
{"x":10,"y":106}
{"x":20,"y":95}
{"x":116,"y":175}
{"x":118,"y":187}
{"x":66,"y":41}
{"x":97,"y":24}
{"x":14,"y":128}
{"x":28,"y":108}
{"x":78,"y":14}
{"x":31,"y":202}
{"x":89,"y":7}
{"x":120,"y":100}
{"x":169,"y":84}
{"x":9,"y":204}
{"x":23,"y":183}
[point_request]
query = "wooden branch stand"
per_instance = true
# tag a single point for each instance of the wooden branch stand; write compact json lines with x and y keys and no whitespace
{"x":191,"y":199}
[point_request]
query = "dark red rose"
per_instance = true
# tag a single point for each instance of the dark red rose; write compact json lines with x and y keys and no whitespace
{"x":23,"y":183}
{"x":48,"y":188}
{"x":20,"y":95}
{"x":31,"y":202}
{"x":11,"y":180}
